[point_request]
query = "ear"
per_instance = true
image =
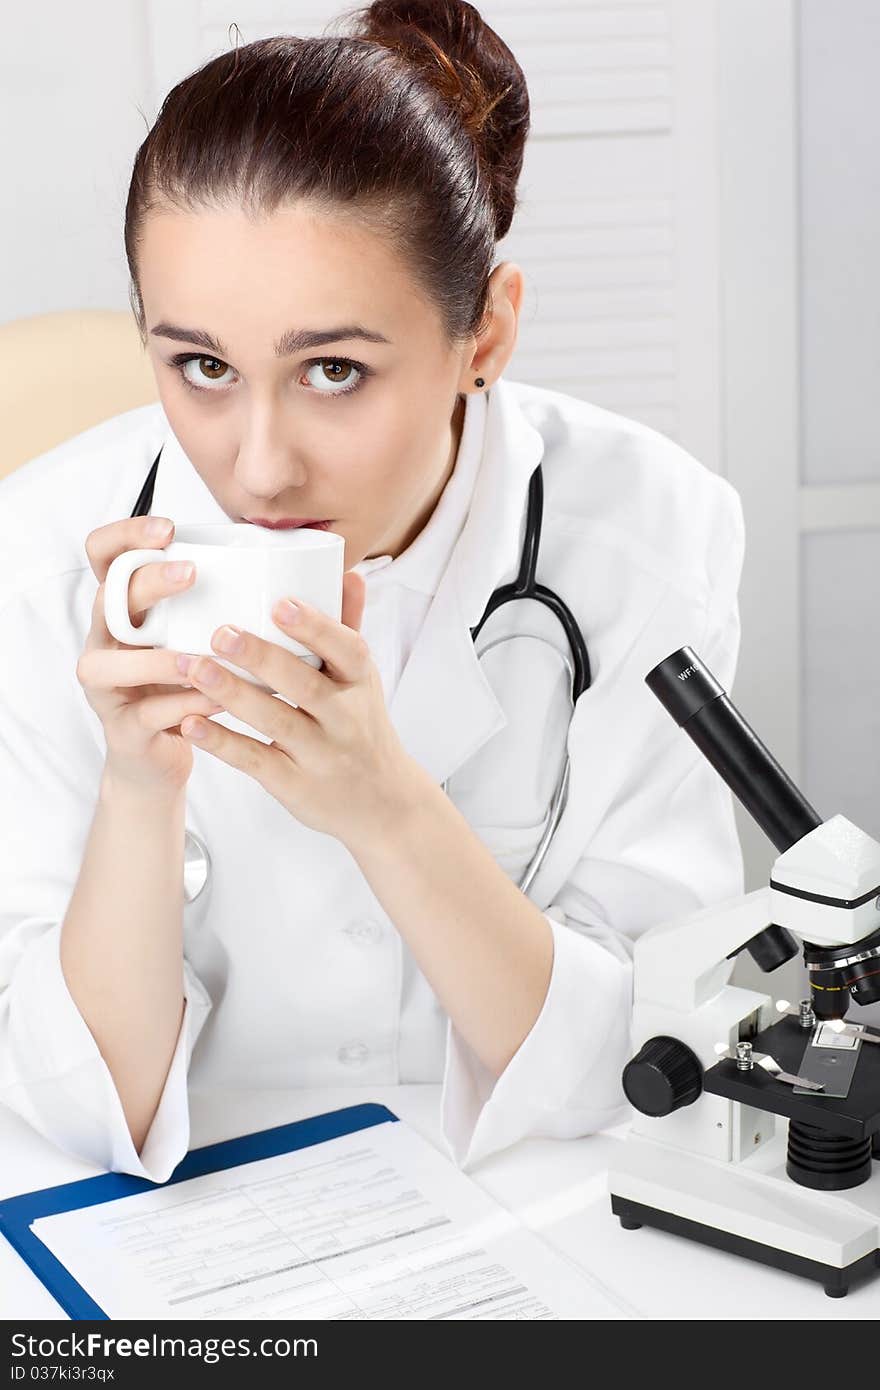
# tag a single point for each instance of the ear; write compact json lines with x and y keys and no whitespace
{"x":494,"y":347}
{"x":354,"y":594}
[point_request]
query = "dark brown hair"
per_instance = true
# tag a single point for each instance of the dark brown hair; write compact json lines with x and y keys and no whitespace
{"x":415,"y":123}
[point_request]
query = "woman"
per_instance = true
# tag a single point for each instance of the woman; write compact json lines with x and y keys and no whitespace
{"x":364,"y":922}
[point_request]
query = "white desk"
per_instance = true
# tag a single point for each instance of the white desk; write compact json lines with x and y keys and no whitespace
{"x":556,"y":1187}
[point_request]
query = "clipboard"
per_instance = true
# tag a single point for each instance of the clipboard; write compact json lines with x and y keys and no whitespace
{"x":16,"y":1213}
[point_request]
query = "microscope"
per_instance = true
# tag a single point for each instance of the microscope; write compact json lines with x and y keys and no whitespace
{"x":757,"y":1123}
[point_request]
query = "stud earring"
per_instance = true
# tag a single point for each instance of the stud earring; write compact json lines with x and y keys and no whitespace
{"x":479,"y":381}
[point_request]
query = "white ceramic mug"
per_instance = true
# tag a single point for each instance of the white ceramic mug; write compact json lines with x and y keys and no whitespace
{"x":241,"y":573}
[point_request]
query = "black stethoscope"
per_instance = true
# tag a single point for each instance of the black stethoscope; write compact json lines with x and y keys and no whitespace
{"x":524,"y":586}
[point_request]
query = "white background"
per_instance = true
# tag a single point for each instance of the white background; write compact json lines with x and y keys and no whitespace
{"x":699,"y":224}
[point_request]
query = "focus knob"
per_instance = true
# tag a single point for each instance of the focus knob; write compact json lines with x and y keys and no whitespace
{"x":663,"y":1076}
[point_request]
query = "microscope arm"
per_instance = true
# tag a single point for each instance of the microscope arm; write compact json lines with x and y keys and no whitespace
{"x":683,"y":963}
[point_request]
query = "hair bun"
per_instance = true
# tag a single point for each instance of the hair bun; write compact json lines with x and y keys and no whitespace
{"x":472,"y":69}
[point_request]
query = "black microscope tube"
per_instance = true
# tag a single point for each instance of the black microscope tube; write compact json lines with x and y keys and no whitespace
{"x":692,"y":695}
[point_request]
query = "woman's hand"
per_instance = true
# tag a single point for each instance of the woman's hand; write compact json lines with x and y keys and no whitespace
{"x":336,"y":762}
{"x":137,"y":692}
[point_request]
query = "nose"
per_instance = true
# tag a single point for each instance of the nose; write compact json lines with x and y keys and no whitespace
{"x":269,"y":463}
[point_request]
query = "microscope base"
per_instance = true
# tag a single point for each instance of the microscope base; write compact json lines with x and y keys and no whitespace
{"x":752,"y":1209}
{"x":835,"y":1281}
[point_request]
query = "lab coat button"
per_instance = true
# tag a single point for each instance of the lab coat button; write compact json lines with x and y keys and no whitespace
{"x":352,"y":1054}
{"x":365,"y":933}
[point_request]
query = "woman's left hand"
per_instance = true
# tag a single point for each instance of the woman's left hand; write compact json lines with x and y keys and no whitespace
{"x":336,"y":762}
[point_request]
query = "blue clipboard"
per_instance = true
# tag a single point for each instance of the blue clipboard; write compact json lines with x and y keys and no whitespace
{"x":16,"y":1213}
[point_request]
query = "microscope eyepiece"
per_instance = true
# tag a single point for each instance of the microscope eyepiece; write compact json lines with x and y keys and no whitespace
{"x":694,"y":698}
{"x":699,"y":704}
{"x":683,"y":685}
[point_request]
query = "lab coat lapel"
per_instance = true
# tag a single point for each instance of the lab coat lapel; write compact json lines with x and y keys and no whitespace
{"x":444,"y":708}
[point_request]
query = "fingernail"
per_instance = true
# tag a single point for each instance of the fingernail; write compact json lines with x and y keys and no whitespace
{"x":177,"y":570}
{"x":157,"y":527}
{"x":228,"y":639}
{"x":287,"y":612}
{"x":184,"y":662}
{"x":211,"y":674}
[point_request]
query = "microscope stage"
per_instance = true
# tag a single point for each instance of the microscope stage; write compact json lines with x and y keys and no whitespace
{"x":857,"y":1116}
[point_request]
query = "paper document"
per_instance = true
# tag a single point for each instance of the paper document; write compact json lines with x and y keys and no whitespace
{"x":372,"y":1225}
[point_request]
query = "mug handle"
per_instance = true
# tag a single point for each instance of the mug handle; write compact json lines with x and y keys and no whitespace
{"x":154,"y":628}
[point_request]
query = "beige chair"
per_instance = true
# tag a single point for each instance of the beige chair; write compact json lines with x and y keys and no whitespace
{"x":64,"y":372}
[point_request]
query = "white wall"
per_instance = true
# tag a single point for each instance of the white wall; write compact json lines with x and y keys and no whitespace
{"x":71,"y":80}
{"x":840,"y":355}
{"x":757,"y":174}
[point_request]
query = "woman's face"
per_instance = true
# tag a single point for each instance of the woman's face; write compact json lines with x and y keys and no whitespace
{"x":358,"y":431}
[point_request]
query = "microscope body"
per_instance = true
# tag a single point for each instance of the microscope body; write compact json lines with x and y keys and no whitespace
{"x":712,"y":1160}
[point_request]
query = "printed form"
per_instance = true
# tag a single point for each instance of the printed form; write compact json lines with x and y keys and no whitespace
{"x":372,"y":1225}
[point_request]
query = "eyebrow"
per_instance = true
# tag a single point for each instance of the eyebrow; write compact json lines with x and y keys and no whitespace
{"x":296,"y":340}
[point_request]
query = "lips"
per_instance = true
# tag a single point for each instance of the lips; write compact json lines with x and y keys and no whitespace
{"x":290,"y":523}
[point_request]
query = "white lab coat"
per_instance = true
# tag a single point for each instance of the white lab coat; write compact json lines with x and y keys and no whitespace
{"x":293,"y":971}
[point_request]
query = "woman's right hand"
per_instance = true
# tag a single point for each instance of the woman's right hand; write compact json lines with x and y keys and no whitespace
{"x":137,"y":692}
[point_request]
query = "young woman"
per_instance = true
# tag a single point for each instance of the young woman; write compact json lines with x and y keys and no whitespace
{"x":310,"y":230}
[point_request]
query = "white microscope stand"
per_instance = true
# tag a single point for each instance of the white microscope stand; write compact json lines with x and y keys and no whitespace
{"x":715,"y":1170}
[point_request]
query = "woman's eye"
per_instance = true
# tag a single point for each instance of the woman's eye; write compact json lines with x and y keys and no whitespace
{"x":335,"y":373}
{"x":213,"y":371}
